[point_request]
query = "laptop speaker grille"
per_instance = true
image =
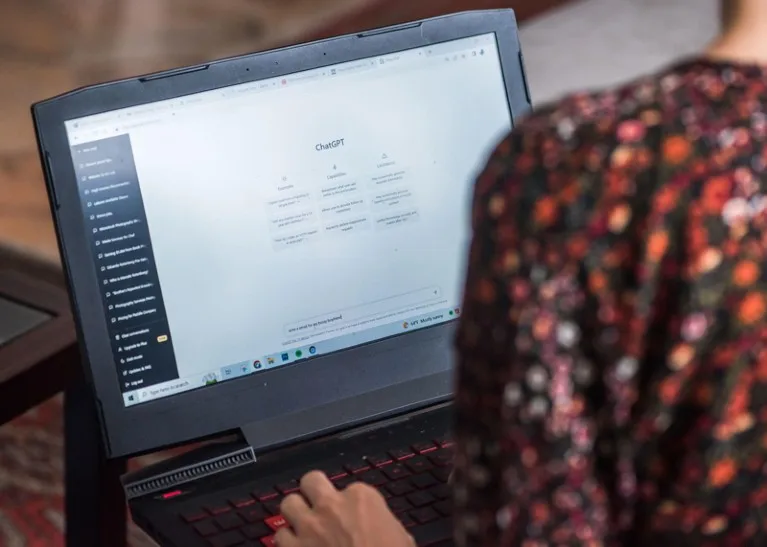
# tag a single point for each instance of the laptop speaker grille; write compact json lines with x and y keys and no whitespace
{"x":190,"y":473}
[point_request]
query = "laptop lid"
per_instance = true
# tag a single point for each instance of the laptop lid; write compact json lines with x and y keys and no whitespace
{"x":281,"y":234}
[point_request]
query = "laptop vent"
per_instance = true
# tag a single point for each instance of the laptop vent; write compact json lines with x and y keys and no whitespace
{"x":190,"y":473}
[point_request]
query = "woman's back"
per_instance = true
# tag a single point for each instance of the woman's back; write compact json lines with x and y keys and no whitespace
{"x":614,"y":368}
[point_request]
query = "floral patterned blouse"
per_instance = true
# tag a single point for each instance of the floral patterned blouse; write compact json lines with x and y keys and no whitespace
{"x":612,"y":379}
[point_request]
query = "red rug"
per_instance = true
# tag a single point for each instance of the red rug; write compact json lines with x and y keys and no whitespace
{"x":31,"y":480}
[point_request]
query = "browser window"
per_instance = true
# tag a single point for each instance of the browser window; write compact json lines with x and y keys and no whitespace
{"x":253,"y":227}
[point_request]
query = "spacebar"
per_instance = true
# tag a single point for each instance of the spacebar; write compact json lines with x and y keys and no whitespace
{"x":429,"y":534}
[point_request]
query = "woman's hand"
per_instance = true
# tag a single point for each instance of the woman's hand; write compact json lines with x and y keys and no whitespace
{"x":326,"y":517}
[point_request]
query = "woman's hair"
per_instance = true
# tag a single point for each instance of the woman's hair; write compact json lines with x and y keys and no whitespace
{"x":729,"y":10}
{"x":732,"y":10}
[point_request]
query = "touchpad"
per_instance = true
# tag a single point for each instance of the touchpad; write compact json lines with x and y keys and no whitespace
{"x":17,"y":319}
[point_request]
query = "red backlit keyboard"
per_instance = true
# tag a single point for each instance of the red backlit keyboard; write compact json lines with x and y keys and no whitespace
{"x":413,"y":479}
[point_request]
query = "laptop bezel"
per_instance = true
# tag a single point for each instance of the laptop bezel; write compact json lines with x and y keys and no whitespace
{"x":227,"y":406}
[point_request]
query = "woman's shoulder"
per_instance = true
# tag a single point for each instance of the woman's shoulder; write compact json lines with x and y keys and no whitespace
{"x":592,"y":116}
{"x":675,"y":97}
{"x":614,"y":141}
{"x":615,"y":127}
{"x":580,"y":131}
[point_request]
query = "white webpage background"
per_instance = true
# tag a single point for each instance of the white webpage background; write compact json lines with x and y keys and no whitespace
{"x":206,"y":178}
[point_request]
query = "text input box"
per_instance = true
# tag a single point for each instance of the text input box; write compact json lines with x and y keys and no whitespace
{"x":320,"y":323}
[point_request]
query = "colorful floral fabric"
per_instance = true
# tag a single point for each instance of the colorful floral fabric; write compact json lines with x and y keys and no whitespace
{"x":612,"y":378}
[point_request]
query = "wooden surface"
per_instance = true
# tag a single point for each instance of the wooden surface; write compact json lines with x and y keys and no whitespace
{"x":378,"y":13}
{"x":51,"y":46}
{"x":43,"y":361}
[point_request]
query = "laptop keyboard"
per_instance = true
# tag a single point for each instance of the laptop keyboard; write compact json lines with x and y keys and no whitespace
{"x":413,"y":479}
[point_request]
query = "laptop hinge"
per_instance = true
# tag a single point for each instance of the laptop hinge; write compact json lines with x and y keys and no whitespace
{"x":346,"y":414}
{"x":251,"y":436}
{"x":384,"y":424}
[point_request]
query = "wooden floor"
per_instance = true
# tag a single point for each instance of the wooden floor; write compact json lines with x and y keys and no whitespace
{"x":51,"y":46}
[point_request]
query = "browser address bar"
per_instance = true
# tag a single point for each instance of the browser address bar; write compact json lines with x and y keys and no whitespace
{"x":400,"y":61}
{"x":303,"y":77}
{"x":359,"y":67}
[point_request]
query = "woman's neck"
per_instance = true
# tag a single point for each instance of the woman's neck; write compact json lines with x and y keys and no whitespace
{"x":745,"y":41}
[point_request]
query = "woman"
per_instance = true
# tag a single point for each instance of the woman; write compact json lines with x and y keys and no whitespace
{"x":613,"y":347}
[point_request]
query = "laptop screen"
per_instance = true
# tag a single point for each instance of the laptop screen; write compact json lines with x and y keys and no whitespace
{"x":270,"y":223}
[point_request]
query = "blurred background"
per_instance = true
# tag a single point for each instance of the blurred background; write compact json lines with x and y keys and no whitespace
{"x":50,"y":46}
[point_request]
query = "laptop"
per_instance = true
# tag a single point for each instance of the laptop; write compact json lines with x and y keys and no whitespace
{"x":267,"y":253}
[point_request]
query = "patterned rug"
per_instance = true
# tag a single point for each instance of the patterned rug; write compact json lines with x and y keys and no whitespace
{"x":31,"y":480}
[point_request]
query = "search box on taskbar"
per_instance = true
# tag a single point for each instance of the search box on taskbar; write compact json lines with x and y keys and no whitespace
{"x":315,"y":326}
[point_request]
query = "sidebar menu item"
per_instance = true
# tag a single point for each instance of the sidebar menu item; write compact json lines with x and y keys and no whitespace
{"x":116,"y":223}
